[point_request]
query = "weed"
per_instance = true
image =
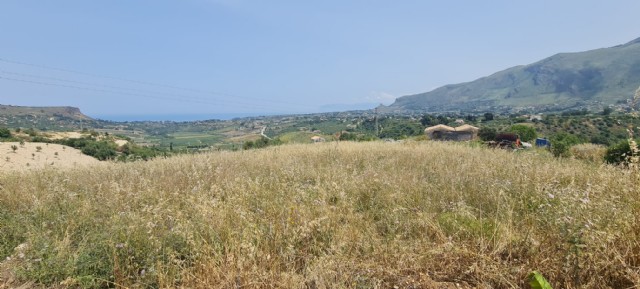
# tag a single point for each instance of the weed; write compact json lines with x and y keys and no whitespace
{"x":353,"y":215}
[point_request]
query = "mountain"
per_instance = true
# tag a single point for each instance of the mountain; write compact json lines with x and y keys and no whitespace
{"x":45,"y":111}
{"x":589,"y":79}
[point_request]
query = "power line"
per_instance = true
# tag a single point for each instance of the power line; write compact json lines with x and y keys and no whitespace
{"x":98,"y":90}
{"x":147,"y":83}
{"x":109,"y":77}
{"x":136,"y":91}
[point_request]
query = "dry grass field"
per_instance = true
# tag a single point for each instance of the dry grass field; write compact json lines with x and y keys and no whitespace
{"x":334,"y":215}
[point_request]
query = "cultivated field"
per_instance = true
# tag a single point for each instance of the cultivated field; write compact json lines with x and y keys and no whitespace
{"x":333,"y":215}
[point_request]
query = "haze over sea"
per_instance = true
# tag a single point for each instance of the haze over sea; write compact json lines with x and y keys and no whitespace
{"x":176,"y":117}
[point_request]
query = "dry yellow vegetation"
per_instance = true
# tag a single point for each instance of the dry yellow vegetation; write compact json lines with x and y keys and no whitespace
{"x":333,"y":215}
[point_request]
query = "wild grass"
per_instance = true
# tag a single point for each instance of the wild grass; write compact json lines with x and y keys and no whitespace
{"x":593,"y":153}
{"x":334,"y":215}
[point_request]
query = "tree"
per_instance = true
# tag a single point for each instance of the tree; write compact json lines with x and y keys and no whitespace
{"x":607,"y":111}
{"x":487,"y":133}
{"x":400,"y":130}
{"x":526,"y":133}
{"x":427,"y":120}
{"x":470,"y":118}
{"x":488,"y":116}
{"x":14,"y":148}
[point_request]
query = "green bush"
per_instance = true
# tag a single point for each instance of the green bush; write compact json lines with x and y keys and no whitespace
{"x":526,"y":133}
{"x":261,"y":143}
{"x":561,"y":142}
{"x":101,"y":150}
{"x":5,"y":133}
{"x":400,"y":131}
{"x":487,"y":133}
{"x":618,"y":153}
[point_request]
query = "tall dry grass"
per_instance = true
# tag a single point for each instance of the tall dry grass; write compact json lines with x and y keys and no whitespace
{"x":593,"y":153}
{"x":347,"y":215}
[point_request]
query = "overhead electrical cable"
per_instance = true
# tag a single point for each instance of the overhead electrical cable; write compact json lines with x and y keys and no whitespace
{"x":137,"y":91}
{"x":101,"y":90}
{"x":150,"y":83}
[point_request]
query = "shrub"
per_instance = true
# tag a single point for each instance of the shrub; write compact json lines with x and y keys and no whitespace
{"x":101,"y":150}
{"x":5,"y":133}
{"x":261,"y":143}
{"x":487,"y":133}
{"x":526,"y":133}
{"x":618,"y":153}
{"x":561,"y":142}
{"x":401,"y":131}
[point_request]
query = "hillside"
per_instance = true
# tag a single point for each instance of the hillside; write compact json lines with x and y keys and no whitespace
{"x":33,"y":156}
{"x":588,"y":79}
{"x":45,"y":111}
{"x":338,"y":215}
{"x":46,"y":117}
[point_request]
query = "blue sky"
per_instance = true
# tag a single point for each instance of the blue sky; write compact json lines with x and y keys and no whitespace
{"x":162,"y":57}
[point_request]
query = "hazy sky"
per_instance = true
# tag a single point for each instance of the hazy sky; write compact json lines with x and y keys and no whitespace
{"x":128,"y":57}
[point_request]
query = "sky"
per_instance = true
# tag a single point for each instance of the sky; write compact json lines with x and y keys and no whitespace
{"x":150,"y":59}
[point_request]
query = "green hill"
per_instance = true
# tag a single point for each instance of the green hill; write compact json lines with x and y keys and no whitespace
{"x":589,"y":79}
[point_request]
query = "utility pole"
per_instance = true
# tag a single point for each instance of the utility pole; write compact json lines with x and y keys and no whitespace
{"x":376,"y":120}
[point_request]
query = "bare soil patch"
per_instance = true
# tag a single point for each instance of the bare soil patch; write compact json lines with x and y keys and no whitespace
{"x":31,"y":156}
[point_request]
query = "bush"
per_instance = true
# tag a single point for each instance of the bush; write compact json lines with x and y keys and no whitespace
{"x":487,"y":133}
{"x":5,"y":133}
{"x":526,"y":133}
{"x":401,"y":131}
{"x":561,"y":142}
{"x":261,"y":143}
{"x":101,"y":150}
{"x":619,"y":153}
{"x":131,"y":151}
